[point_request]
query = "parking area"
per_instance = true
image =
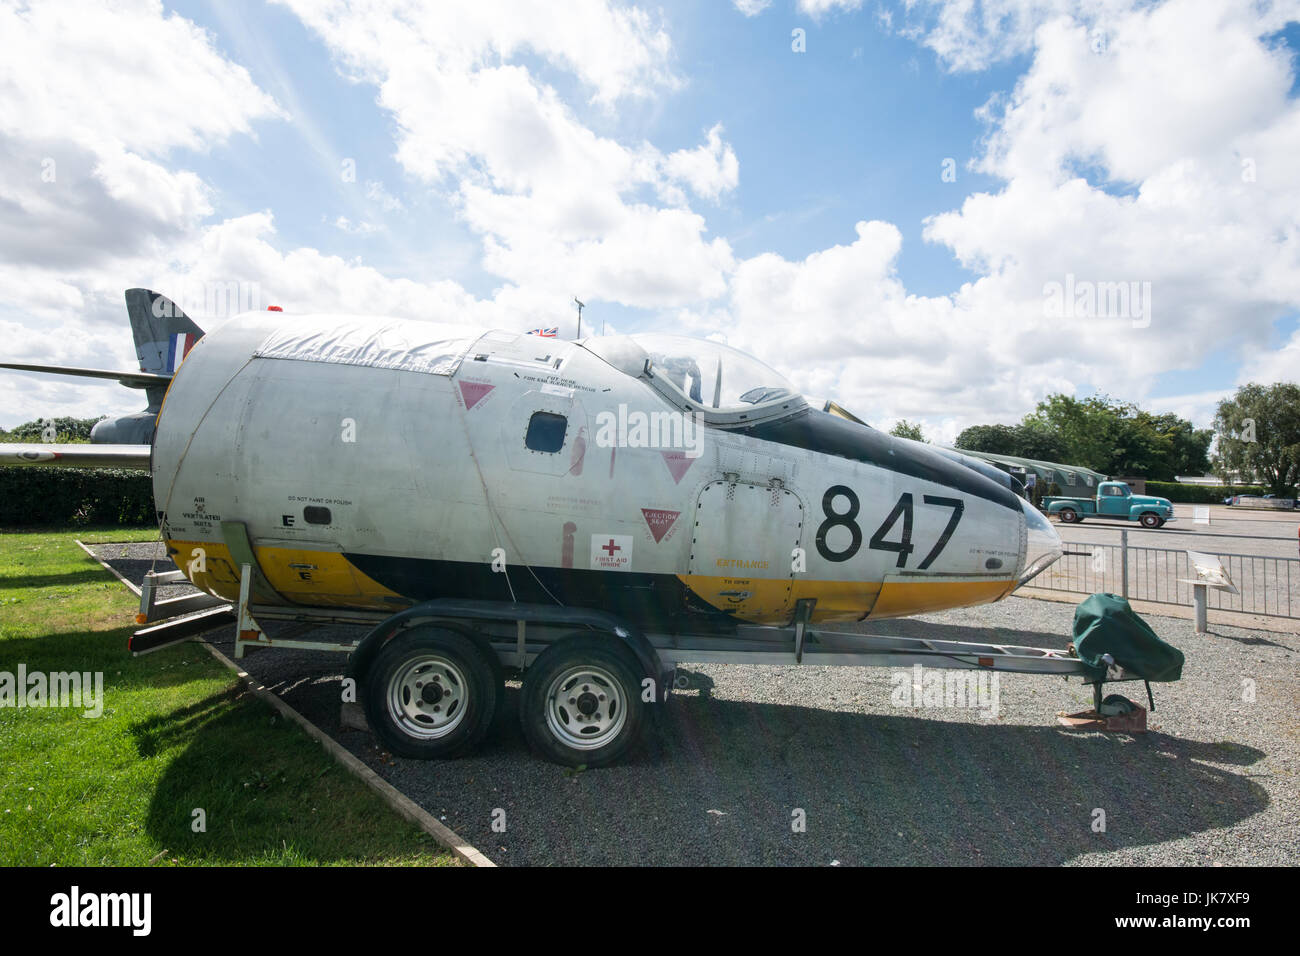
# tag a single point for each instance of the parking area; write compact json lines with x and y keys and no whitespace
{"x":1257,"y":549}
{"x":745,"y":753}
{"x":1266,"y":533}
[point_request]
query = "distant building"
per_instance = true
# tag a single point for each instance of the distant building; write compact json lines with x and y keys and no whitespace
{"x":1070,"y":479}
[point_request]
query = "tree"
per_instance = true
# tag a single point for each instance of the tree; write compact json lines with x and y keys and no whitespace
{"x":1035,"y":441}
{"x":1088,"y":427}
{"x":1258,"y":432}
{"x":1190,"y":446}
{"x":1109,"y":436}
{"x":905,"y":429}
{"x":1140,"y":448}
{"x":73,"y":430}
{"x":992,"y":439}
{"x":1021,"y":441}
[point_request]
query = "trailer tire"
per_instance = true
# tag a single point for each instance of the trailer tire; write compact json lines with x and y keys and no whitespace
{"x":1150,"y":519}
{"x":1068,"y":515}
{"x":581,"y":703}
{"x":432,"y":693}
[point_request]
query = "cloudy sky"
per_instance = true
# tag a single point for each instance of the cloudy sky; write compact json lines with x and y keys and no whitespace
{"x":934,"y":209}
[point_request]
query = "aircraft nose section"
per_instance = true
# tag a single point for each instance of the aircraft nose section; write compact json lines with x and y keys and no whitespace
{"x":1042,"y":543}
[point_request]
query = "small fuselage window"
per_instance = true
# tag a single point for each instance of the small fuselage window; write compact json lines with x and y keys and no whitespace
{"x":546,"y":432}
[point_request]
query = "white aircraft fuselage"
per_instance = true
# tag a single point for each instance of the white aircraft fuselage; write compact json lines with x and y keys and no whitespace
{"x":379,"y":463}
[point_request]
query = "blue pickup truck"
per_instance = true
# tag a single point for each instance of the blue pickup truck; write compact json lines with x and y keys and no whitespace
{"x":1114,"y":500}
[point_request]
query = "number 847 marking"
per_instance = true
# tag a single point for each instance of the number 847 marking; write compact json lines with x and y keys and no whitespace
{"x":903,"y":509}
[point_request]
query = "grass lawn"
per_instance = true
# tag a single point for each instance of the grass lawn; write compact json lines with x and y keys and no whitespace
{"x":176,"y":735}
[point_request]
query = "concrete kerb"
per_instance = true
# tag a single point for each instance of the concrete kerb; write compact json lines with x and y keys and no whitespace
{"x":403,"y":805}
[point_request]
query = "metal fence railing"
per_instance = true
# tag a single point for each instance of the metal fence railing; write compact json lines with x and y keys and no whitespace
{"x":1268,"y":586}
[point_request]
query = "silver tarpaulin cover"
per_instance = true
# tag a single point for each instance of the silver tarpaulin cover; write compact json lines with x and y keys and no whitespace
{"x":435,"y":348}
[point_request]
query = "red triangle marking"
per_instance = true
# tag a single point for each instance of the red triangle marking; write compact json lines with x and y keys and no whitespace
{"x":473,"y":393}
{"x":678,"y":464}
{"x":660,"y":522}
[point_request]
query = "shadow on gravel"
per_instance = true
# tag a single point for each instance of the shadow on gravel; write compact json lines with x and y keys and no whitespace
{"x":908,"y":627}
{"x":720,"y":780}
{"x":1247,"y":641}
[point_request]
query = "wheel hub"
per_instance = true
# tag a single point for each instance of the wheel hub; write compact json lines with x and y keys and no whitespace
{"x":427,"y":696}
{"x":585,"y":707}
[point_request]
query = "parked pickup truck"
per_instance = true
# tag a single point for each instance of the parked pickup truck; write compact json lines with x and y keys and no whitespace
{"x":1114,"y":500}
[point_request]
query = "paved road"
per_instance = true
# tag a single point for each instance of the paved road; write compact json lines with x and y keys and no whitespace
{"x":1268,"y":581}
{"x":1230,"y":529}
{"x":737,"y":754}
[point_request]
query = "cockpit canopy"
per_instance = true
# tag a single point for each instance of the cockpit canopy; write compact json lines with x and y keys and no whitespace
{"x":715,"y":379}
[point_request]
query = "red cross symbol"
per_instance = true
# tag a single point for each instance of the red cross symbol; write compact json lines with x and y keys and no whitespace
{"x":611,"y":547}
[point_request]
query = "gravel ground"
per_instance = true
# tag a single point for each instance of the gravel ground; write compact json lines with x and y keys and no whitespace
{"x":736,"y":754}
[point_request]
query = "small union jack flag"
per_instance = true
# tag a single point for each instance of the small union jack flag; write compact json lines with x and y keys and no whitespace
{"x":545,"y":333}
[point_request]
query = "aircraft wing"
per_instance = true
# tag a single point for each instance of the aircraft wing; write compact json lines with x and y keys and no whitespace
{"x":129,"y":379}
{"x":134,"y":457}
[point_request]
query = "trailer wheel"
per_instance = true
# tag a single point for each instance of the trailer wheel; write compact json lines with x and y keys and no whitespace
{"x":581,"y":703}
{"x":1069,"y":515}
{"x":431,"y":693}
{"x":1150,"y":519}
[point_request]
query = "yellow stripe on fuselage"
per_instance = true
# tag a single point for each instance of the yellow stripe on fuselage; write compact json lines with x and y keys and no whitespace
{"x":320,"y":577}
{"x":208,"y":565}
{"x":772,"y":601}
{"x":328,"y":579}
{"x":311,"y":577}
{"x":901,"y":598}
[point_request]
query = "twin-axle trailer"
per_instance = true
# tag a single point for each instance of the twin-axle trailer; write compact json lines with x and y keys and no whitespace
{"x":588,"y":677}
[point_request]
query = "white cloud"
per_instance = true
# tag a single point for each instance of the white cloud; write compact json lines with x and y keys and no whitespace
{"x":1197,"y":407}
{"x":558,"y":206}
{"x":1214,"y":235}
{"x":969,"y":35}
{"x":710,"y":169}
{"x":1219,"y":249}
{"x":66,"y":207}
{"x":303,"y":279}
{"x":751,"y":8}
{"x":842,"y":324}
{"x":615,"y":51}
{"x":344,"y":224}
{"x":376,"y":193}
{"x":212,"y":273}
{"x":1267,"y":367}
{"x":1148,"y":100}
{"x":121,"y":75}
{"x":819,"y":8}
{"x":1178,"y":102}
{"x":94,"y":98}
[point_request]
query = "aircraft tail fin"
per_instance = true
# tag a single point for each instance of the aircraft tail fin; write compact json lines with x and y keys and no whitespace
{"x":163,"y":333}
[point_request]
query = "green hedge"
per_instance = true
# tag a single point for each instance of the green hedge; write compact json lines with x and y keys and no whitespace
{"x":34,"y":496}
{"x":1200,"y":494}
